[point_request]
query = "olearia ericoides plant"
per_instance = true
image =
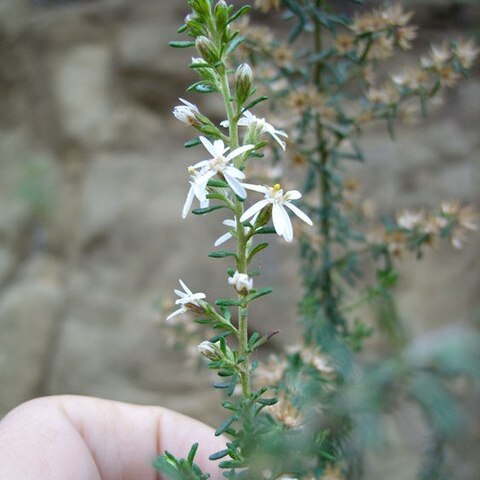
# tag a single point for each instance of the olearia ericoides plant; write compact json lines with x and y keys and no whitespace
{"x":308,"y":414}
{"x":220,"y":179}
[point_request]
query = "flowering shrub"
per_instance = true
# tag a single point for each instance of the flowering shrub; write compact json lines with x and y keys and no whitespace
{"x":307,"y":413}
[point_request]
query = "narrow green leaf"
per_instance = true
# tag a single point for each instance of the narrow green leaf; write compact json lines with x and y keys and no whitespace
{"x":163,"y":465}
{"x":192,"y":143}
{"x":267,"y":401}
{"x":216,"y":196}
{"x":242,"y":11}
{"x":265,"y":231}
{"x":259,"y":293}
{"x":203,"y":321}
{"x":218,"y":455}
{"x":182,"y":28}
{"x":203,"y":211}
{"x":224,"y":426}
{"x":255,"y":336}
{"x":228,"y":302}
{"x":257,"y":249}
{"x":182,"y":44}
{"x":234,"y":44}
{"x":220,"y":385}
{"x":204,"y":88}
{"x":255,"y":102}
{"x":221,"y":254}
{"x":230,"y":464}
{"x":191,"y":454}
{"x":217,"y":183}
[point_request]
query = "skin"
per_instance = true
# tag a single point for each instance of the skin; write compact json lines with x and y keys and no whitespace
{"x":82,"y":438}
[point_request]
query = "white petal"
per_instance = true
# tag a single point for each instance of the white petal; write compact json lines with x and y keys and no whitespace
{"x":248,"y":116}
{"x":255,"y":208}
{"x":225,"y":124}
{"x":208,"y":145}
{"x":188,"y":202}
{"x":203,"y":163}
{"x":225,"y":237}
{"x":282,"y":223}
{"x":230,"y":223}
{"x":219,"y":148}
{"x":175,"y":313}
{"x":256,"y":188}
{"x":235,"y":185}
{"x":299,"y":213}
{"x":188,"y":104}
{"x":238,"y":151}
{"x":234,"y":172}
{"x":293,"y":195}
{"x":197,"y":296}
{"x":277,"y":138}
{"x":187,"y":290}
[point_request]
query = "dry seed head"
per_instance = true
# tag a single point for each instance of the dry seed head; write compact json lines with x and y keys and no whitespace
{"x":284,"y":411}
{"x":394,"y":15}
{"x":344,"y":43}
{"x":266,"y":6}
{"x":405,"y":36}
{"x":283,"y":56}
{"x":466,"y":52}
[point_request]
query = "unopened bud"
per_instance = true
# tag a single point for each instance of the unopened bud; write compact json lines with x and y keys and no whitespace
{"x":220,"y":13}
{"x":201,"y":7}
{"x":194,"y":25}
{"x":187,"y":113}
{"x":242,"y":283}
{"x":206,"y":49}
{"x":243,"y":82}
{"x":209,"y":350}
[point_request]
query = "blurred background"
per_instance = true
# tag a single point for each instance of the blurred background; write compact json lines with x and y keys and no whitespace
{"x":93,"y":178}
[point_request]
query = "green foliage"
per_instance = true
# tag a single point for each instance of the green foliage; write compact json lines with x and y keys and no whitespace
{"x":321,"y":407}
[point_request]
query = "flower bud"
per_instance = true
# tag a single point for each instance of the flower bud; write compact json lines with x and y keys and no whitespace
{"x":201,"y":7}
{"x":209,"y":350}
{"x":187,"y":113}
{"x":206,"y":49}
{"x":220,"y":14}
{"x":242,"y":283}
{"x":194,"y":25}
{"x":243,"y":82}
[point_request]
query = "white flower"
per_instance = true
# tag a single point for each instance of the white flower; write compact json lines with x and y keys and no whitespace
{"x":409,"y":219}
{"x":274,"y":196}
{"x":186,"y":113}
{"x":220,"y":164}
{"x":187,"y":300}
{"x":198,"y":188}
{"x":226,"y":236}
{"x":241,"y":282}
{"x":261,"y":126}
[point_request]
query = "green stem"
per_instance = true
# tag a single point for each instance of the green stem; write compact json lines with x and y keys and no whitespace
{"x":232,"y":122}
{"x":241,"y":240}
{"x":326,"y":283}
